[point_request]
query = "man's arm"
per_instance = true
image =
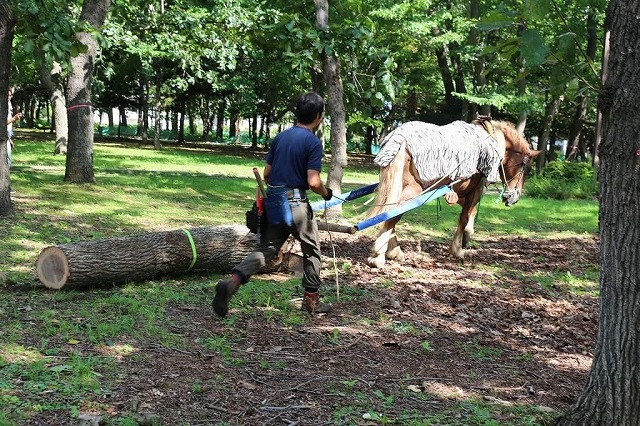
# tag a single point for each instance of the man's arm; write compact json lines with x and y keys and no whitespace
{"x":315,"y":184}
{"x":266,"y":172}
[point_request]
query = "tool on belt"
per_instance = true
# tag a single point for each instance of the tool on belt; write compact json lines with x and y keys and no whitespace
{"x":256,"y":217}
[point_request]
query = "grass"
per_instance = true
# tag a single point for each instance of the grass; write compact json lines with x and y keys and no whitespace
{"x":68,"y":344}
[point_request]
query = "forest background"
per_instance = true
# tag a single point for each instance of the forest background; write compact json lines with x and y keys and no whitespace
{"x":201,"y":68}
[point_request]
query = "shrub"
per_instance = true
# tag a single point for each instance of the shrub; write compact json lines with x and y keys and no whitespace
{"x":563,"y":180}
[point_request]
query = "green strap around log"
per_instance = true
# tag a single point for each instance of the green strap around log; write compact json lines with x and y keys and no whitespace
{"x":194,"y":252}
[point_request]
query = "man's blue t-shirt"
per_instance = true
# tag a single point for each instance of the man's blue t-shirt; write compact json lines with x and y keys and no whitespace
{"x":292,"y":153}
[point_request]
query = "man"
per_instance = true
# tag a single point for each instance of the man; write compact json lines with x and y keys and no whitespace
{"x":293,"y":166}
{"x":11,"y":118}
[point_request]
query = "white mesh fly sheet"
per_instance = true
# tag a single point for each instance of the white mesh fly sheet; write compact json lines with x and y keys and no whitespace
{"x":457,"y":150}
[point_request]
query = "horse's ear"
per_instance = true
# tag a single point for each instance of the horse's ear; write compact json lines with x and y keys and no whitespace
{"x":534,"y":154}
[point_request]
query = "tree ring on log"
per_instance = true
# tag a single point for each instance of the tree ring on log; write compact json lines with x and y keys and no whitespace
{"x":53,"y":268}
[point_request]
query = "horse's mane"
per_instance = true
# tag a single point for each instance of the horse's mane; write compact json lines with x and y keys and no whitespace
{"x":511,"y":133}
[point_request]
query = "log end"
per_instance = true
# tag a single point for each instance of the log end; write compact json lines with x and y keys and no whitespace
{"x":53,"y":268}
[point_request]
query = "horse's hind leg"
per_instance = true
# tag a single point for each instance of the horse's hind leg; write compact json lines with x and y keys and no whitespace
{"x":394,"y":252}
{"x":380,"y":250}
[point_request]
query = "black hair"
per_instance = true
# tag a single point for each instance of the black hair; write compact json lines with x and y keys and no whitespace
{"x":308,"y":107}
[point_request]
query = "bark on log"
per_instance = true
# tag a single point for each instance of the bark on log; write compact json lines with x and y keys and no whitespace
{"x":144,"y":256}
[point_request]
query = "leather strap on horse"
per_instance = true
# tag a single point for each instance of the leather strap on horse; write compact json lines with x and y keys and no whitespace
{"x":485,"y":122}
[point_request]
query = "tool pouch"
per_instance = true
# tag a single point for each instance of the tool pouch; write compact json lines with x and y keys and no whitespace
{"x":254,"y":219}
{"x":278,"y":209}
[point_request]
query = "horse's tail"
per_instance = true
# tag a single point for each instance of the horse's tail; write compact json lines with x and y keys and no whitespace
{"x":390,"y":187}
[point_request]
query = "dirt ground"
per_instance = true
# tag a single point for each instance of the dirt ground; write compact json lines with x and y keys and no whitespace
{"x":411,"y":340}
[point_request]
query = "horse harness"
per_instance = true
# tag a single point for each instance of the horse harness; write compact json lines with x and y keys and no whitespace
{"x":485,"y":122}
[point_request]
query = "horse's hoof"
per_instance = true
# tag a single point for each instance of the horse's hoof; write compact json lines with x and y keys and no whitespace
{"x":376,"y":262}
{"x":458,"y":253}
{"x":396,"y":254}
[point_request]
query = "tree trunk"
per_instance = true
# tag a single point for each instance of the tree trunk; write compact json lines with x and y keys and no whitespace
{"x":445,"y":73}
{"x":611,"y":395}
{"x":543,"y":140}
{"x":254,"y":131}
{"x":478,"y":63}
{"x":51,"y":79}
{"x":79,"y":165}
{"x":181,"y":116}
{"x":141,"y":101}
{"x":220,"y":120}
{"x":460,"y":85}
{"x":142,"y":257}
{"x":411,"y":107}
{"x":575,"y":141}
{"x":7,"y":22}
{"x":522,"y":90}
{"x":158,"y":112}
{"x":335,"y":109}
{"x":143,"y":116}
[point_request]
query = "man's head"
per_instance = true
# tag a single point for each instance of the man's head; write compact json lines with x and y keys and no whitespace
{"x":308,"y":107}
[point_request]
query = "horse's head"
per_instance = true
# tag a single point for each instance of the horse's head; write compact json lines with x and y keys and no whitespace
{"x":516,"y":163}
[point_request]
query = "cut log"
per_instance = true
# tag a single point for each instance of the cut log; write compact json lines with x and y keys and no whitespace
{"x":144,"y":256}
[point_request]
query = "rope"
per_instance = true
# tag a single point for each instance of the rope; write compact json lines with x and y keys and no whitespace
{"x":72,"y":107}
{"x":333,"y":251}
{"x":194,"y":254}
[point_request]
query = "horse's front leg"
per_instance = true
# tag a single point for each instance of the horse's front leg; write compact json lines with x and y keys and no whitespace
{"x":394,"y":251}
{"x":455,"y":249}
{"x":385,"y":241}
{"x":467,"y":234}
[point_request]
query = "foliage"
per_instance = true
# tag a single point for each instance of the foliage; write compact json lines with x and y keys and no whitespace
{"x":252,"y":58}
{"x":562,"y":180}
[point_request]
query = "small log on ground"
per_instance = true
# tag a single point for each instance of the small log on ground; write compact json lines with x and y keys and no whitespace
{"x":144,"y":256}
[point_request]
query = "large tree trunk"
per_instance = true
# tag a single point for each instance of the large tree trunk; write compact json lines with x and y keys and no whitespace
{"x":79,"y":167}
{"x":7,"y":22}
{"x":611,"y":395}
{"x":142,"y":257}
{"x":336,"y":111}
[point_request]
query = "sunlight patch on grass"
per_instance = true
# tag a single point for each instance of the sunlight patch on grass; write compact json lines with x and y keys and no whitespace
{"x":12,"y":353}
{"x":117,"y":350}
{"x":566,"y":282}
{"x":446,"y":391}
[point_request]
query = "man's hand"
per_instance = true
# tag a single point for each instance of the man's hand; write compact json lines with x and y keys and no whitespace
{"x":329,"y":194}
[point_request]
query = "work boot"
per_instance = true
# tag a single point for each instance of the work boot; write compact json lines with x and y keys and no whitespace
{"x":225,"y":289}
{"x":311,"y":303}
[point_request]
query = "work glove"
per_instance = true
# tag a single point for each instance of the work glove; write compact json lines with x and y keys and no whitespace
{"x":329,"y":194}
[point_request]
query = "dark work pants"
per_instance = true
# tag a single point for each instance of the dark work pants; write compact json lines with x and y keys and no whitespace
{"x":304,"y":229}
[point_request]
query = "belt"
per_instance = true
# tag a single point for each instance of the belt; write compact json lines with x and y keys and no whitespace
{"x":292,"y":194}
{"x":296,"y":194}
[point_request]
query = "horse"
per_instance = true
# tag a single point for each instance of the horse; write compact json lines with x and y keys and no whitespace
{"x":417,"y":157}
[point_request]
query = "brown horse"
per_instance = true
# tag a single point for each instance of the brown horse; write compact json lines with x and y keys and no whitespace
{"x":417,"y":157}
